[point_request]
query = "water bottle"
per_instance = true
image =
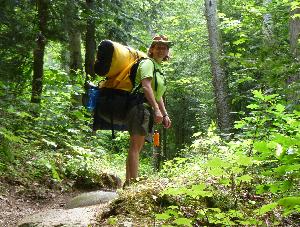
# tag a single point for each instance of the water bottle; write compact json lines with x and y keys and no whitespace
{"x":156,"y":139}
{"x":93,"y":93}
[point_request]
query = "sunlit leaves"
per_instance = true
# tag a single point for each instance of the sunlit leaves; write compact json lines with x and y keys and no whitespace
{"x":240,"y":41}
{"x":10,"y":136}
{"x":244,"y":160}
{"x":294,"y":5}
{"x":266,"y":208}
{"x":289,"y":202}
{"x":49,"y":143}
{"x":253,"y":106}
{"x":163,"y":216}
{"x":244,"y":178}
{"x":217,"y":162}
{"x":217,"y":172}
{"x":183,"y":221}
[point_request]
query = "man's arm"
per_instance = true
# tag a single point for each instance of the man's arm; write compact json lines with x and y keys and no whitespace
{"x":166,"y":119}
{"x":146,"y":84}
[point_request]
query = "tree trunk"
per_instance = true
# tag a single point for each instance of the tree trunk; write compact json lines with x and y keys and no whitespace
{"x":75,"y":50}
{"x":293,"y":81}
{"x":72,"y":22}
{"x":220,"y":82}
{"x":90,"y":43}
{"x":294,"y":28}
{"x":39,"y":51}
{"x":268,"y":26}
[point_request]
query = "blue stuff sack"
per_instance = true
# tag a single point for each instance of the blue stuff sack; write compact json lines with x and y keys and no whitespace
{"x":93,"y":93}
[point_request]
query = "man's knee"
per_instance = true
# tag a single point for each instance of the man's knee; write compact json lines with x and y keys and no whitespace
{"x":137,"y":142}
{"x":136,"y":148}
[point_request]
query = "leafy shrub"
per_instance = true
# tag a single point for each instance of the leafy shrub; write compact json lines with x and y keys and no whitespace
{"x":229,"y":183}
{"x":53,"y":141}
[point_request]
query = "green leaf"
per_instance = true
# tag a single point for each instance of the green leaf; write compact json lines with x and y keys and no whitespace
{"x":9,"y":135}
{"x":199,"y":187}
{"x":237,"y":170}
{"x":55,"y":174}
{"x":244,"y":178}
{"x":198,"y":193}
{"x":274,"y":188}
{"x":235,"y":214}
{"x":261,"y":146}
{"x":112,"y":221}
{"x":217,"y":162}
{"x":162,"y":216}
{"x":266,"y":208}
{"x":253,"y":106}
{"x":244,"y":160}
{"x":280,"y":108}
{"x":47,"y":164}
{"x":172,"y":212}
{"x":282,"y":170}
{"x":50,"y":143}
{"x":289,"y":201}
{"x":175,"y":191}
{"x":225,"y":181}
{"x":183,"y":221}
{"x":218,"y":210}
{"x":239,"y":41}
{"x":260,"y":189}
{"x":239,"y":124}
{"x":217,"y":172}
{"x":258,"y":94}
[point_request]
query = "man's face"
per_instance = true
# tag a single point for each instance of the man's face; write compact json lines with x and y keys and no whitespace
{"x":160,"y":51}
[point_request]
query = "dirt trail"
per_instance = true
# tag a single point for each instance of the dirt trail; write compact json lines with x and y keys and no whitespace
{"x":16,"y":202}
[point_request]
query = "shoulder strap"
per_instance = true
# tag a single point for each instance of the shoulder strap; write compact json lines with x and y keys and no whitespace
{"x":134,"y":71}
{"x":154,"y":74}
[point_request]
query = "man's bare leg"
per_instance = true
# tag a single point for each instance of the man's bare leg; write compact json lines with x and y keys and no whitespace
{"x":132,"y":163}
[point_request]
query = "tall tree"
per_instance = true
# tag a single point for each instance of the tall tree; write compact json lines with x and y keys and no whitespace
{"x":219,"y":77}
{"x":74,"y":35}
{"x":90,"y":44}
{"x":294,"y":30}
{"x":268,"y":24}
{"x":39,"y":51}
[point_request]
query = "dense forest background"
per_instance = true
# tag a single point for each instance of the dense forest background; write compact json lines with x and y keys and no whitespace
{"x":232,"y":155}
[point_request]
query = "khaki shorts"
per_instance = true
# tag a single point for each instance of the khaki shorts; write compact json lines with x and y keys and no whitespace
{"x":140,"y":121}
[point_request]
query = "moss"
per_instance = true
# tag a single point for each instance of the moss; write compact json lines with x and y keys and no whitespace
{"x":138,"y":203}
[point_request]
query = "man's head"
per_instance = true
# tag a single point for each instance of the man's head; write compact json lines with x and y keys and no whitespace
{"x":159,"y":47}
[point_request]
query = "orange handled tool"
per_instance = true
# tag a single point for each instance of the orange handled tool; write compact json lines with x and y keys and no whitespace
{"x":156,"y":138}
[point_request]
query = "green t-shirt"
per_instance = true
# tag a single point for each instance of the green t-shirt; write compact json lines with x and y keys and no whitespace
{"x":146,"y":70}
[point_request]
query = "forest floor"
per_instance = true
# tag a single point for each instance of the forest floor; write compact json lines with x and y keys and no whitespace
{"x":17,"y":201}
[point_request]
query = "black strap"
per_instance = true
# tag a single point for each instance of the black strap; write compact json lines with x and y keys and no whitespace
{"x":154,"y":75}
{"x":112,"y":121}
{"x":112,"y":127}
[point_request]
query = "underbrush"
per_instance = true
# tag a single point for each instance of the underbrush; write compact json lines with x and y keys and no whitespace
{"x":53,"y":144}
{"x":252,"y":180}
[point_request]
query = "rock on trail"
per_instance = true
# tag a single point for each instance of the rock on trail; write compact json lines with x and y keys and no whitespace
{"x":79,"y":211}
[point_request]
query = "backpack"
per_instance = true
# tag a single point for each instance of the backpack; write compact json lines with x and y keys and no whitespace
{"x":114,"y":61}
{"x":115,"y":96}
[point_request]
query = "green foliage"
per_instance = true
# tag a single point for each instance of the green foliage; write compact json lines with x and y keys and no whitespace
{"x":56,"y":143}
{"x":16,"y":43}
{"x":251,"y":180}
{"x":241,"y":181}
{"x":257,"y":54}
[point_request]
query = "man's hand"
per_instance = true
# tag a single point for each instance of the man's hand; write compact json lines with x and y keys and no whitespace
{"x":158,"y":117}
{"x":166,"y":122}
